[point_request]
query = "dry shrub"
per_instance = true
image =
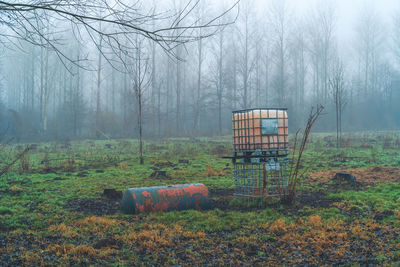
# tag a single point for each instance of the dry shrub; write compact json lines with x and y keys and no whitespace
{"x":97,"y":221}
{"x":279,"y":226}
{"x":194,"y":235}
{"x":124,"y":165}
{"x":5,"y":167}
{"x":80,"y":252}
{"x":64,"y":230}
{"x":97,"y":226}
{"x":313,"y":235}
{"x":30,"y":258}
{"x":325,"y":240}
{"x":46,"y":161}
{"x":315,"y":221}
{"x":25,"y":162}
{"x":339,"y":205}
{"x":244,"y":241}
{"x":69,"y":165}
{"x":288,"y":194}
{"x":366,"y":231}
{"x":397,"y":213}
{"x":154,"y":238}
{"x":211,"y":172}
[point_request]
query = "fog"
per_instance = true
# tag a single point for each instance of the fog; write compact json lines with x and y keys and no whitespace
{"x":64,"y":77}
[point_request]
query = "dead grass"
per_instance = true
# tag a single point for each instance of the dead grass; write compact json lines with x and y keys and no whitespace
{"x":80,"y":253}
{"x":210,"y":172}
{"x":96,"y":221}
{"x":66,"y":231}
{"x":158,"y":237}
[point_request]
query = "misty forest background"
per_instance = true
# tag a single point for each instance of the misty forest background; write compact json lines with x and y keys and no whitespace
{"x":268,"y":58}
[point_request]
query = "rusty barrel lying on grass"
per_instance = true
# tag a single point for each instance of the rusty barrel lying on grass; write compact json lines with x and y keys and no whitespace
{"x":165,"y":198}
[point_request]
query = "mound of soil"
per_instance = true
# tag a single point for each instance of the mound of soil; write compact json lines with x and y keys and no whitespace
{"x":98,"y":207}
{"x":164,"y":164}
{"x":111,"y":193}
{"x":366,"y":176}
{"x":108,"y":242}
{"x":159,"y":174}
{"x":379,"y":216}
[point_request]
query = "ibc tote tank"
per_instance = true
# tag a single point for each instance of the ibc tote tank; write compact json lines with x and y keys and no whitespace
{"x":260,"y":129}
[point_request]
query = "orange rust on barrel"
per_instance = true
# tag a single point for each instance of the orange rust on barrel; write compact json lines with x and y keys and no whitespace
{"x":146,"y":194}
{"x":152,"y":199}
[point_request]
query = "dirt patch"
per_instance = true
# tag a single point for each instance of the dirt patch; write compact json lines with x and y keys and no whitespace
{"x":379,"y":216}
{"x":222,"y":200}
{"x":108,"y":242}
{"x":316,"y":199}
{"x":367,"y":176}
{"x":82,"y":174}
{"x":94,"y":206}
{"x":113,"y":194}
{"x":159,"y":174}
{"x":10,"y":192}
{"x":164,"y":164}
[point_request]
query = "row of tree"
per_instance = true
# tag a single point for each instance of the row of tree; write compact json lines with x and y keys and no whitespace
{"x":271,"y":58}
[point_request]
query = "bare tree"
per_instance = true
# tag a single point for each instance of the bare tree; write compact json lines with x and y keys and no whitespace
{"x":321,"y":29}
{"x":299,"y":68}
{"x":280,"y":24}
{"x":288,"y":195}
{"x":396,"y":37}
{"x":217,"y":69}
{"x":200,"y":59}
{"x":246,"y":33}
{"x":369,"y":46}
{"x":339,"y":95}
{"x":121,"y":20}
{"x":154,"y":86}
{"x":267,"y":55}
{"x":141,"y":82}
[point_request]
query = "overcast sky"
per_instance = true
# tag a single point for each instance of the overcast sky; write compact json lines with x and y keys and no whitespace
{"x":348,"y":13}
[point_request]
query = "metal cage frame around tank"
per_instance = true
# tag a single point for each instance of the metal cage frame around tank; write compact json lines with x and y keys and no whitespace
{"x":261,"y":179}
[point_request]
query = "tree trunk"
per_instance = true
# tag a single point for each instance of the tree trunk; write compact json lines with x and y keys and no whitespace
{"x":98,"y":88}
{"x":220,"y":86}
{"x":198,"y":95}
{"x":46,"y":92}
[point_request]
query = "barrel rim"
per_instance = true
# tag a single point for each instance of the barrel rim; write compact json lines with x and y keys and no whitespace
{"x":165,"y":186}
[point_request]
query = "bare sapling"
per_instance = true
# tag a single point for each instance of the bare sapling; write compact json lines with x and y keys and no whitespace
{"x":288,"y":194}
{"x":7,"y":166}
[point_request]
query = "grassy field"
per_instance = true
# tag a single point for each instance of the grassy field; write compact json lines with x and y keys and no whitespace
{"x":52,"y":211}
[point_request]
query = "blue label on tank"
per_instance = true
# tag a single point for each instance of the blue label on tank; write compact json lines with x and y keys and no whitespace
{"x":269,"y":126}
